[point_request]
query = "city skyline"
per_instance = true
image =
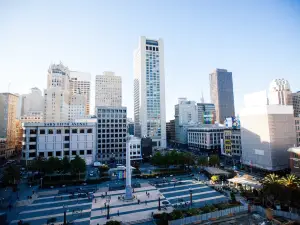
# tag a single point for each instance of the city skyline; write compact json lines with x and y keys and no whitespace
{"x":251,"y":52}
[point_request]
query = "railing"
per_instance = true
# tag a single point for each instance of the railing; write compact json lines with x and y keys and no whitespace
{"x":209,"y":216}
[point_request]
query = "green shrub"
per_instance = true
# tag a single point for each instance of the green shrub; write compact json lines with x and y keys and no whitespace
{"x":113,"y":222}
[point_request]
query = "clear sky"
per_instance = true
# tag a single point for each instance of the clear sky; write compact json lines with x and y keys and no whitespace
{"x":257,"y":40}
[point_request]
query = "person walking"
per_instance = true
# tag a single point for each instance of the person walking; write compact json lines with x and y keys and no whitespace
{"x":118,"y":213}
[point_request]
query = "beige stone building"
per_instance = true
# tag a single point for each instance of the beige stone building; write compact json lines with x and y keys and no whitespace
{"x":8,"y":110}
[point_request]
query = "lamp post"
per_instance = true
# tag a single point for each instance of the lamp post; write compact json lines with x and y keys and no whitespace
{"x":65,"y":215}
{"x":191,"y":197}
{"x":41,"y":182}
{"x":159,"y":208}
{"x":107,"y":215}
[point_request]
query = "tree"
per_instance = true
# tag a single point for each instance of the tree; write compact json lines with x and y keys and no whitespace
{"x":78,"y":165}
{"x":232,"y":196}
{"x":289,"y":181}
{"x":202,"y":161}
{"x":214,"y":160}
{"x":113,"y":222}
{"x":66,"y":166}
{"x":271,"y":179}
{"x":158,"y":159}
{"x":214,"y":178}
{"x":11,"y":175}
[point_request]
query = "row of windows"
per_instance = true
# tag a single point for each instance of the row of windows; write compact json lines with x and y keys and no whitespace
{"x":60,"y":131}
{"x":152,"y":48}
{"x":112,"y":130}
{"x":112,"y":121}
{"x":59,"y":153}
{"x":111,"y":110}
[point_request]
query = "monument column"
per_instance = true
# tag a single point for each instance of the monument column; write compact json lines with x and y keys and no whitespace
{"x":128,"y":190}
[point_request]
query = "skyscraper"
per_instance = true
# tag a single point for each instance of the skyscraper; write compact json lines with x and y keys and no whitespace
{"x":149,"y":91}
{"x":80,"y":83}
{"x":108,"y":90}
{"x":280,"y":92}
{"x":221,"y":93}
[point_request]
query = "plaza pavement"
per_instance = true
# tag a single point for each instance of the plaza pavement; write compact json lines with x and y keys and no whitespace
{"x":83,"y":210}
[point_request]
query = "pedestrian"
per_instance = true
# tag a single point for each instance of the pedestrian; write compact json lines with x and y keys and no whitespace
{"x":106,"y":193}
{"x":152,"y":214}
{"x":118,"y":213}
{"x":104,"y":204}
{"x":145,"y":202}
{"x":146,"y":193}
{"x":95,"y":200}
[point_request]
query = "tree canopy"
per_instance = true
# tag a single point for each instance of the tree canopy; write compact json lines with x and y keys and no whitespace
{"x":11,"y":175}
{"x":172,"y":158}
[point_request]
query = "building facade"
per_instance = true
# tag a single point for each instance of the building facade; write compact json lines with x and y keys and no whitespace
{"x":66,"y":139}
{"x":232,"y":142}
{"x":267,"y":131}
{"x":56,"y":105}
{"x":135,"y":148}
{"x":297,"y":126}
{"x":108,"y":91}
{"x":8,"y":110}
{"x":77,"y":107}
{"x":170,"y":131}
{"x":33,"y":117}
{"x":294,"y":156}
{"x":185,"y":116}
{"x":206,"y":138}
{"x":280,"y":92}
{"x":149,"y":91}
{"x":80,"y":84}
{"x":221,"y":93}
{"x":111,"y":134}
{"x":32,"y":102}
{"x":296,"y":103}
{"x":58,"y":77}
{"x":206,"y":113}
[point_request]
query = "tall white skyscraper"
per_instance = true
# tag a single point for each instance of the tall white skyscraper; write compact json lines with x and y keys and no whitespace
{"x":149,"y":90}
{"x":80,"y":83}
{"x":108,"y":91}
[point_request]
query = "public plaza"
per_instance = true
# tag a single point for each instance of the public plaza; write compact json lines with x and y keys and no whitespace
{"x":95,"y":204}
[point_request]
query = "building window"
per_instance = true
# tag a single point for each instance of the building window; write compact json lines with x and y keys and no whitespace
{"x":74,"y":131}
{"x":66,"y":145}
{"x":82,"y":131}
{"x":32,"y":139}
{"x":67,"y":138}
{"x":42,"y":131}
{"x":41,"y":154}
{"x":81,"y":152}
{"x":50,"y":131}
{"x":32,"y":155}
{"x":32,"y":131}
{"x":89,"y":131}
{"x":66,"y":153}
{"x":58,"y":131}
{"x":58,"y":153}
{"x":32,"y":147}
{"x":50,"y":154}
{"x":89,"y":152}
{"x":67,"y":131}
{"x":73,"y":152}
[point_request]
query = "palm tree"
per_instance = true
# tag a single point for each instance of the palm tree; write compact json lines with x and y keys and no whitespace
{"x":271,"y":179}
{"x":290,"y":180}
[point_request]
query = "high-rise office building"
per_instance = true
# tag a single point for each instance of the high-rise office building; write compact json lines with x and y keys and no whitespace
{"x":108,"y":90}
{"x":149,"y":91}
{"x":185,"y":115}
{"x":267,"y":132}
{"x":111,"y":133}
{"x":280,"y":92}
{"x":80,"y":83}
{"x":221,"y":93}
{"x":206,"y":113}
{"x":8,"y":135}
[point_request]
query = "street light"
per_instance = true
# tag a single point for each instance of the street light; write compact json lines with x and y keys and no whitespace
{"x":41,"y":182}
{"x":191,"y":196}
{"x":65,"y":215}
{"x":107,"y":203}
{"x":159,"y":208}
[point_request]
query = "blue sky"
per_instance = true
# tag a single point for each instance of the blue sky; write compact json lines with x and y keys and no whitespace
{"x":257,"y":40}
